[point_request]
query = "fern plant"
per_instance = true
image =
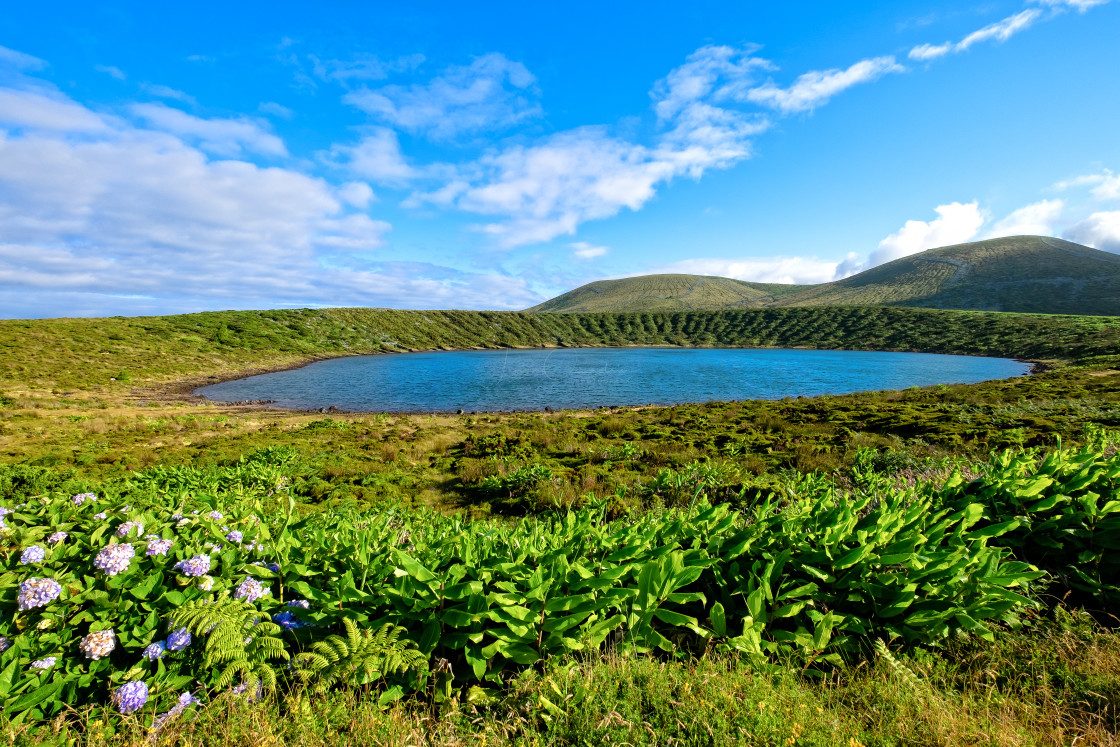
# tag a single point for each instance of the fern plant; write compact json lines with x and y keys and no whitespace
{"x":358,"y":658}
{"x":239,"y":639}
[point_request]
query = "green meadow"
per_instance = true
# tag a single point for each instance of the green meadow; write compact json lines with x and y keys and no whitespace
{"x":927,"y":566}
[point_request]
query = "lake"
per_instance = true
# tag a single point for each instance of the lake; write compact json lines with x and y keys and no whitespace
{"x":570,"y":378}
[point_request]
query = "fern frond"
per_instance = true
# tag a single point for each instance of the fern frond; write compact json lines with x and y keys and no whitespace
{"x":359,"y":657}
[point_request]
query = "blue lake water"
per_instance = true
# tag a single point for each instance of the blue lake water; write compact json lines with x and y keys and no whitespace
{"x":490,"y":380}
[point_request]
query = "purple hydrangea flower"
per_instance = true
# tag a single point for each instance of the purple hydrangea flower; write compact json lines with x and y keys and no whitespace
{"x":99,"y":644}
{"x":159,"y":546}
{"x":33,"y":554}
{"x":177,"y":640}
{"x":274,"y":567}
{"x":301,"y":603}
{"x":38,"y":592}
{"x":114,"y":559}
{"x":44,"y":663}
{"x":100,"y":516}
{"x":128,"y":526}
{"x":234,"y":536}
{"x":196,"y":566}
{"x":130,"y":697}
{"x":216,"y":515}
{"x":154,"y":651}
{"x":250,"y":590}
{"x":5,"y":643}
{"x":4,"y":511}
{"x":57,"y":537}
{"x":3,"y":524}
{"x":81,"y":498}
{"x":287,"y":620}
{"x":186,"y":700}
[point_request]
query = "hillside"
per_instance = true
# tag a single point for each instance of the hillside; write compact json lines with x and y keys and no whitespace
{"x":1033,"y":274}
{"x":668,"y":293}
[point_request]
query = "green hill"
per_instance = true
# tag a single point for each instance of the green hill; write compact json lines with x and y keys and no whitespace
{"x":1033,"y":274}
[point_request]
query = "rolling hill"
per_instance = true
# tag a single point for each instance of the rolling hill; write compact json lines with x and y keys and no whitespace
{"x":1020,"y":273}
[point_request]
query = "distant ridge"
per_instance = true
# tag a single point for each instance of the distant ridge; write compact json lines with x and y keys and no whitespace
{"x":1034,"y":274}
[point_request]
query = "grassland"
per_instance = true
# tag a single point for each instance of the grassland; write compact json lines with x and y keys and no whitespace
{"x":1032,"y":274}
{"x":66,"y":426}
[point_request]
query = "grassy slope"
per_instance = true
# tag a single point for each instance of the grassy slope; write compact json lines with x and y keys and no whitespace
{"x":1021,"y":273}
{"x":67,"y":354}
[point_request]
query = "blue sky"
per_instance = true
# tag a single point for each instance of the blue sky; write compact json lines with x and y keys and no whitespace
{"x":155,"y":159}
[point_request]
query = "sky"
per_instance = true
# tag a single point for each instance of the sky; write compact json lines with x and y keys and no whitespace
{"x":162,"y":158}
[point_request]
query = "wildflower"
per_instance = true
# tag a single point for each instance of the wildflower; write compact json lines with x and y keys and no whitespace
{"x":5,"y":643}
{"x":250,"y":590}
{"x":154,"y":651}
{"x":57,"y":537}
{"x":206,"y":583}
{"x":234,"y":536}
{"x":81,"y":498}
{"x":196,"y":566}
{"x":124,"y":509}
{"x":44,"y":663}
{"x":159,"y":546}
{"x":101,"y":516}
{"x":212,"y":547}
{"x":5,"y":511}
{"x":182,"y":523}
{"x":38,"y":592}
{"x":114,"y":559}
{"x":33,"y":554}
{"x":177,"y":640}
{"x":130,"y":697}
{"x":128,"y":526}
{"x":274,"y":567}
{"x":98,"y":644}
{"x":216,"y":515}
{"x":186,"y":700}
{"x":287,"y":620}
{"x":3,"y":524}
{"x":301,"y":603}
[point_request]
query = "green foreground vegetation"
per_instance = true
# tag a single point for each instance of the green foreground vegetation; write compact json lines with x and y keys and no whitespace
{"x":929,"y":566}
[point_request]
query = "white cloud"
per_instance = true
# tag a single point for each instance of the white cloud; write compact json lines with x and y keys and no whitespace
{"x":356,"y":194}
{"x":47,"y":110}
{"x":276,"y":110}
{"x":1079,"y":5}
{"x":1036,"y":219}
{"x":167,"y":92}
{"x":584,"y":250}
{"x":1106,"y":185}
{"x":377,"y":157}
{"x":227,"y":137}
{"x":816,"y":87}
{"x":491,"y":93}
{"x":19,"y":60}
{"x":362,"y":67}
{"x":956,"y":223}
{"x":797,"y":270}
{"x":712,"y":72}
{"x":1001,"y":31}
{"x":112,"y":72}
{"x":1099,"y":230}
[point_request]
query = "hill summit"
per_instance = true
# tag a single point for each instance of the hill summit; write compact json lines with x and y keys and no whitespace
{"x":1020,"y":273}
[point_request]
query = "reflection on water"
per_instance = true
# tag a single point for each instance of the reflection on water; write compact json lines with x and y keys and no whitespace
{"x":491,"y":380}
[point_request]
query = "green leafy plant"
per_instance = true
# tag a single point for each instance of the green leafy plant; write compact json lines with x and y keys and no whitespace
{"x":361,"y":657}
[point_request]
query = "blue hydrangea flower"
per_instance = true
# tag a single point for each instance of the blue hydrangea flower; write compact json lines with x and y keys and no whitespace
{"x":114,"y":559}
{"x":44,"y":663}
{"x":301,"y":603}
{"x":154,"y":651}
{"x":177,"y":640}
{"x":100,"y":516}
{"x":5,"y":511}
{"x":196,"y":566}
{"x":159,"y":546}
{"x":38,"y":592}
{"x":130,"y":697}
{"x":216,"y":515}
{"x":81,"y":498}
{"x":234,"y":536}
{"x":5,"y":643}
{"x":57,"y":537}
{"x":33,"y":554}
{"x":287,"y":620}
{"x":274,"y":567}
{"x":250,"y":590}
{"x":124,"y":529}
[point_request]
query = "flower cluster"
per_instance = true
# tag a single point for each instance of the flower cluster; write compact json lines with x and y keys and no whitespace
{"x":250,"y":590}
{"x":114,"y":559}
{"x":81,"y":498}
{"x":196,"y":566}
{"x":234,"y":536}
{"x":38,"y":592}
{"x":186,"y":700}
{"x":216,"y":515}
{"x":130,"y":697}
{"x":99,"y":644}
{"x":154,"y":651}
{"x":158,"y":546}
{"x":128,"y":526}
{"x":5,"y":643}
{"x":100,"y":516}
{"x":177,"y":640}
{"x":44,"y":663}
{"x":301,"y":603}
{"x":33,"y":554}
{"x":287,"y":620}
{"x":57,"y":537}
